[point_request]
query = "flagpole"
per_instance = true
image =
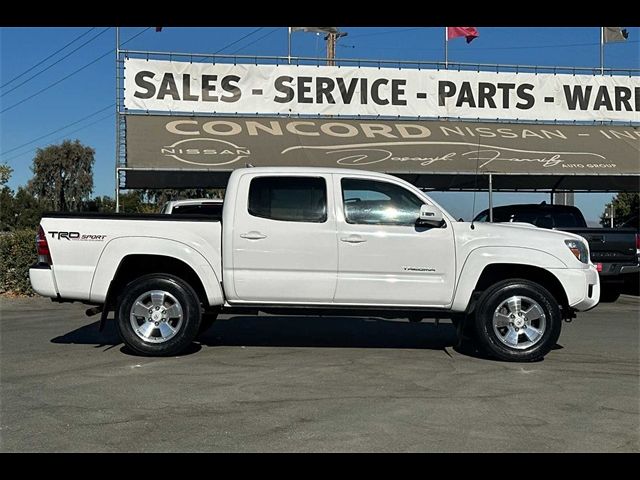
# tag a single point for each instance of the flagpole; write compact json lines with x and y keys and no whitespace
{"x":289,"y":41}
{"x":446,"y":49}
{"x":602,"y":50}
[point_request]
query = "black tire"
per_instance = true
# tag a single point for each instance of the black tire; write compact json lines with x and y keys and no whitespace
{"x":493,"y":297}
{"x":187,"y":330}
{"x":609,"y":293}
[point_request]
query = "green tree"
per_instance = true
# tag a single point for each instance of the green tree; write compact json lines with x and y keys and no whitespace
{"x":160,"y":197}
{"x":7,"y":210}
{"x":131,"y":201}
{"x":5,"y":174}
{"x":104,"y":204}
{"x":63,"y":175}
{"x":28,"y":208}
{"x":624,"y":204}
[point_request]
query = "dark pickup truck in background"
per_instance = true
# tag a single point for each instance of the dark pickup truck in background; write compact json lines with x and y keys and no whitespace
{"x":616,"y":251}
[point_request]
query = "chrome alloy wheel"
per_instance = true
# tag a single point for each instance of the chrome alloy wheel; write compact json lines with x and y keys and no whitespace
{"x":519,"y":322}
{"x":156,"y":316}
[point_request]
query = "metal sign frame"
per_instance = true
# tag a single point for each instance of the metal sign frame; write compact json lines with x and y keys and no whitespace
{"x":121,"y":129}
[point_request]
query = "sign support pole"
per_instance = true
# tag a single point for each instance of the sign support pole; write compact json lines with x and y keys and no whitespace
{"x":601,"y":50}
{"x":446,"y":49}
{"x":117,"y":123}
{"x":490,"y":198}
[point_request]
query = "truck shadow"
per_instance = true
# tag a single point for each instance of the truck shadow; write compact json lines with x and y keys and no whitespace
{"x":311,"y":331}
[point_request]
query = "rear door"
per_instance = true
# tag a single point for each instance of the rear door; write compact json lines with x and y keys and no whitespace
{"x":284,"y":239}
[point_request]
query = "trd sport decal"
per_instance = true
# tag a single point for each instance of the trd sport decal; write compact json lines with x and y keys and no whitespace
{"x":77,"y":236}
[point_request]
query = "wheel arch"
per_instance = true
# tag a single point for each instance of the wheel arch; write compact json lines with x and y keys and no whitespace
{"x":124,"y":260}
{"x":135,"y":266}
{"x":500,"y":263}
{"x":497,"y":272}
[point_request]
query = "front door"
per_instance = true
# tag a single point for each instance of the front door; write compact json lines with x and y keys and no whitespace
{"x":383,"y":257}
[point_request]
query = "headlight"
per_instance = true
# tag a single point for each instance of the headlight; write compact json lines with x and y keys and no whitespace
{"x":579,"y":249}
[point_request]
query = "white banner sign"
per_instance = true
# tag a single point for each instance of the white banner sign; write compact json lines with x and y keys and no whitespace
{"x":184,"y":87}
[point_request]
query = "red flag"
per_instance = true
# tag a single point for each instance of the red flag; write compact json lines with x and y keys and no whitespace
{"x":469,"y":32}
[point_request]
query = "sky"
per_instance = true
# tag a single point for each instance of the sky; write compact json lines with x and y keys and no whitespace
{"x":42,"y":101}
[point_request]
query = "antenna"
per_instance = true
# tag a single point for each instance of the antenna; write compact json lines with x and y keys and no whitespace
{"x":475,"y":187}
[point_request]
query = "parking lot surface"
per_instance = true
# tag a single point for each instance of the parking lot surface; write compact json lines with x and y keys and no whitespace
{"x":272,"y":384}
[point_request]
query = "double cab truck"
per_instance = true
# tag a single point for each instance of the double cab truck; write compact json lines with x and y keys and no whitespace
{"x":318,"y":241}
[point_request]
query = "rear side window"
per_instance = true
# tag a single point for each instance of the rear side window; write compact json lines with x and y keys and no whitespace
{"x":289,"y":199}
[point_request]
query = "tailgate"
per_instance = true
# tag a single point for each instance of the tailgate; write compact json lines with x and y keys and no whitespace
{"x":609,"y":245}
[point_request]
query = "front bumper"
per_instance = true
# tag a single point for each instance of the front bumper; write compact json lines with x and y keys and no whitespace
{"x":43,"y":281}
{"x":582,"y":286}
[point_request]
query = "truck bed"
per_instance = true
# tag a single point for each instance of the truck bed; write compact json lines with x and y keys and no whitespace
{"x":86,"y":248}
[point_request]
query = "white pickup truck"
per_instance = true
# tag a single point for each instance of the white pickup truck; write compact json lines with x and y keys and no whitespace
{"x":318,"y":241}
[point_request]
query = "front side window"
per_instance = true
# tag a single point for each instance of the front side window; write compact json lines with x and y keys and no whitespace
{"x":289,"y":199}
{"x":371,"y":202}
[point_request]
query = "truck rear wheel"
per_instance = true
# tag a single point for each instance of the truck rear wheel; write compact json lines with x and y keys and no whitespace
{"x":158,"y":315}
{"x":517,"y":320}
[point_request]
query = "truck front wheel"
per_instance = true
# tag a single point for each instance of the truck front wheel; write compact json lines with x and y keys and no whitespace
{"x":517,"y":320}
{"x":158,"y":315}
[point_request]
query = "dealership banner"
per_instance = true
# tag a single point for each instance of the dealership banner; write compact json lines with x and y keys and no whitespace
{"x":226,"y":143}
{"x":184,"y":87}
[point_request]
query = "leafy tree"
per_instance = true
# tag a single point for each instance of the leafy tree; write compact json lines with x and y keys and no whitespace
{"x":151,"y":201}
{"x":104,"y":204}
{"x":63,"y":175}
{"x":7,"y":210}
{"x":160,"y":197}
{"x":131,"y":201}
{"x":19,"y":211}
{"x":5,"y":174}
{"x":624,"y":205}
{"x":29,"y":209}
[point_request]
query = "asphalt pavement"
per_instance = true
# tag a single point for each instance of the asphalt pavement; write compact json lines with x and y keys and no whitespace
{"x":312,"y":384}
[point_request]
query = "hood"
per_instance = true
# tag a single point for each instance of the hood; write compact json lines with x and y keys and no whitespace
{"x":520,"y":235}
{"x":506,"y":228}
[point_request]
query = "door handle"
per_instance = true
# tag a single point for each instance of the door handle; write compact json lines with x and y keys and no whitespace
{"x":353,"y":239}
{"x":253,"y":235}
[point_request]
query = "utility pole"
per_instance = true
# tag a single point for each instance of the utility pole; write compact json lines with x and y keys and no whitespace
{"x":331,"y":49}
{"x":332,"y":40}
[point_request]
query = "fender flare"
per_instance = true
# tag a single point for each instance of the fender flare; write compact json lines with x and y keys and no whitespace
{"x":480,"y":258}
{"x":117,"y":249}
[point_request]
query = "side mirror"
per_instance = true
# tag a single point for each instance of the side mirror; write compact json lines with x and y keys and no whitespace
{"x":430,"y":216}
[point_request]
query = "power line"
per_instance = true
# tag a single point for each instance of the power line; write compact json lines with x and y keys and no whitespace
{"x":47,"y":58}
{"x":57,"y":61}
{"x":522,"y":47}
{"x":239,"y":40}
{"x":256,"y":40}
{"x":110,"y":115}
{"x":70,"y":75}
{"x":57,"y":130}
{"x":236,"y":41}
{"x":386,"y":32}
